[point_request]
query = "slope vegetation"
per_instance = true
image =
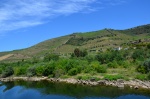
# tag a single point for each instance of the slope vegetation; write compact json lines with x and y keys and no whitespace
{"x":95,"y":41}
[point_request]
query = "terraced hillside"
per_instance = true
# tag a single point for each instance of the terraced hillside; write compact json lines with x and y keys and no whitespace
{"x":93,"y":42}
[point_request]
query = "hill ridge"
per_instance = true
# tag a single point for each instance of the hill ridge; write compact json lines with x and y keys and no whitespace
{"x":93,"y":42}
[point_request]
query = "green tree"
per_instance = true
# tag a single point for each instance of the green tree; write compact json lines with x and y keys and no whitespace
{"x":49,"y":57}
{"x":73,"y":71}
{"x":148,"y":46}
{"x":145,"y":67}
{"x":77,"y":52}
{"x":8,"y":71}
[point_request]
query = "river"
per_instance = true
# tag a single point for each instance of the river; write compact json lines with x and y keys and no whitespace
{"x":50,"y":90}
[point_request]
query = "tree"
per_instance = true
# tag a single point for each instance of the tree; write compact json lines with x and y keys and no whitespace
{"x":49,"y":57}
{"x":8,"y":71}
{"x":148,"y":46}
{"x":145,"y":67}
{"x":77,"y":52}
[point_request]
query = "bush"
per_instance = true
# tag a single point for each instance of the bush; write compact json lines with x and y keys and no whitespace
{"x":138,"y":54}
{"x":145,"y":67}
{"x":73,"y":71}
{"x":58,"y":72}
{"x":48,"y":69}
{"x":101,"y":69}
{"x":148,"y":46}
{"x":148,"y":76}
{"x":49,"y":57}
{"x":0,"y":70}
{"x":21,"y":71}
{"x":39,"y":70}
{"x":112,"y":64}
{"x":8,"y":72}
{"x":31,"y":71}
{"x":125,"y":64}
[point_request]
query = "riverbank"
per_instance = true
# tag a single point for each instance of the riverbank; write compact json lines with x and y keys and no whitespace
{"x":136,"y":84}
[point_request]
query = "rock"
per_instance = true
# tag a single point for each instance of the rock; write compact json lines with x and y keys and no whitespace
{"x":120,"y":86}
{"x":92,"y":79}
{"x":120,"y":80}
{"x":136,"y":87}
{"x":102,"y":82}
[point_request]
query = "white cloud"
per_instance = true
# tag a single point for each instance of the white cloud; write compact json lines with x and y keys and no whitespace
{"x":16,"y":14}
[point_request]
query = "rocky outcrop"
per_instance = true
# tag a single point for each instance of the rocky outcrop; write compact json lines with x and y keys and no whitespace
{"x":118,"y":83}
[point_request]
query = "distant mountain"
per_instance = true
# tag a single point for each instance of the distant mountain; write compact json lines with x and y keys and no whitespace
{"x":93,"y":42}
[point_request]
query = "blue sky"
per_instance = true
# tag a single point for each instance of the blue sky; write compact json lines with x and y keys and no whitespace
{"x":24,"y":23}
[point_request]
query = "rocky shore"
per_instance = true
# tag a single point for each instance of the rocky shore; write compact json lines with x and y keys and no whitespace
{"x":136,"y":84}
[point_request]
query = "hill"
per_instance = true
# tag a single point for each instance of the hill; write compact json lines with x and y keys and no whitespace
{"x":93,"y":42}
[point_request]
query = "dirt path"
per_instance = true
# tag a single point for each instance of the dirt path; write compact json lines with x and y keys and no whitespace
{"x":5,"y":56}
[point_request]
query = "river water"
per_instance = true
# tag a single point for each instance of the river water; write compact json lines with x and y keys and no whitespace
{"x":49,"y":90}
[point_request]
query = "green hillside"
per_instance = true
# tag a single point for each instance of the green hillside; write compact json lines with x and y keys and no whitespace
{"x":93,"y":42}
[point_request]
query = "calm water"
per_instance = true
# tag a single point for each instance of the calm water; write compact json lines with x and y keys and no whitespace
{"x":48,"y":90}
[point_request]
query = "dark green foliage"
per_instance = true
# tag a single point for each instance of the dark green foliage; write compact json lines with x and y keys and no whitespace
{"x":58,"y":73}
{"x":49,"y":68}
{"x":148,"y":76}
{"x":77,"y":41}
{"x":101,"y":57}
{"x":89,"y":58}
{"x":145,"y":67}
{"x":95,"y":66}
{"x":142,"y":69}
{"x":138,"y":54}
{"x":21,"y":71}
{"x":148,"y":46}
{"x":79,"y":53}
{"x":49,"y":57}
{"x":31,"y":71}
{"x":109,"y":56}
{"x":0,"y":70}
{"x":39,"y":70}
{"x":101,"y":69}
{"x":112,"y":64}
{"x":8,"y":71}
{"x":73,"y":71}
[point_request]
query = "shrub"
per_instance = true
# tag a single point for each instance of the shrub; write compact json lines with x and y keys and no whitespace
{"x":88,"y":69}
{"x":8,"y":72}
{"x":31,"y":71}
{"x":125,"y":64}
{"x":48,"y":69}
{"x":145,"y":67}
{"x":0,"y":70}
{"x":58,"y":72}
{"x":112,"y":64}
{"x":138,"y":54}
{"x":21,"y":71}
{"x":148,"y":76}
{"x":73,"y":71}
{"x":39,"y":70}
{"x":101,"y":69}
{"x":49,"y":57}
{"x":148,"y":46}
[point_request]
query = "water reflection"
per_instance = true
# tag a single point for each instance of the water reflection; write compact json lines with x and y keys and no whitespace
{"x":48,"y":90}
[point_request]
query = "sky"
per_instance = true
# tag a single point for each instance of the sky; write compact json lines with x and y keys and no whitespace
{"x":24,"y":23}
